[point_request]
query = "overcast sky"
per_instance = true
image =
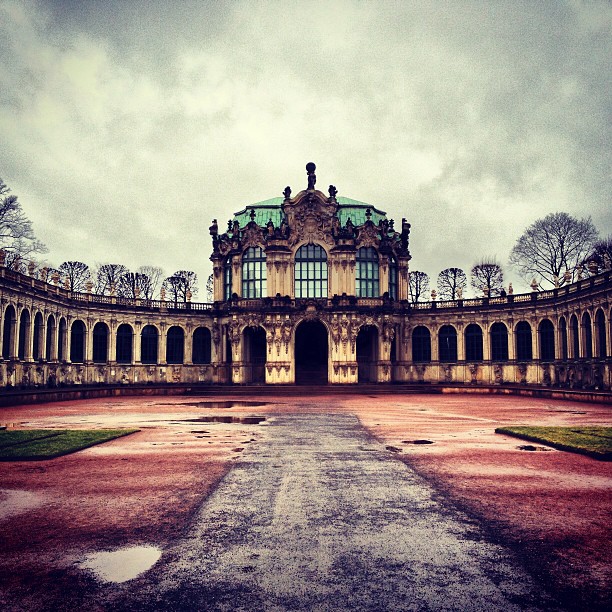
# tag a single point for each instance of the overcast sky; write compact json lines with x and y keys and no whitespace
{"x":127,"y":126}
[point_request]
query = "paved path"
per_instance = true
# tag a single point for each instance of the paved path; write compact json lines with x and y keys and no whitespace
{"x":319,"y":516}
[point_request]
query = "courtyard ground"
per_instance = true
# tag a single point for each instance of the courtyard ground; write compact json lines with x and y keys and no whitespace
{"x":551,"y":508}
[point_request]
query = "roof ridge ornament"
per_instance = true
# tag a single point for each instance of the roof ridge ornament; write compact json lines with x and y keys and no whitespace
{"x":312,"y":177}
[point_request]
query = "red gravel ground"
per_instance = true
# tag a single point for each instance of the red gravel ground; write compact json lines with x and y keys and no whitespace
{"x":552,"y":507}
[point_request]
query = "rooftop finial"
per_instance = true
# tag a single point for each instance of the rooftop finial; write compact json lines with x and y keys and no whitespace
{"x":312,"y":179}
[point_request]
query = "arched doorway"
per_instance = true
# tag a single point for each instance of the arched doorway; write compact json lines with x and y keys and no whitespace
{"x":254,"y":341}
{"x":311,"y":353}
{"x":367,"y":354}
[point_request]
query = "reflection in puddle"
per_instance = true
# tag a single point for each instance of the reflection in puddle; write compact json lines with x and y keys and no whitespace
{"x":122,"y":565}
{"x":245,"y":420}
{"x":224,"y":405}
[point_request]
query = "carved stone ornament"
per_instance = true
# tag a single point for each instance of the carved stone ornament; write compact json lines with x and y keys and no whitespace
{"x":310,"y":216}
{"x":368,"y":236}
{"x":252,"y":236}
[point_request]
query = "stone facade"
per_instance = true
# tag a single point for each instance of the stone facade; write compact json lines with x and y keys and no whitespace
{"x":314,"y":289}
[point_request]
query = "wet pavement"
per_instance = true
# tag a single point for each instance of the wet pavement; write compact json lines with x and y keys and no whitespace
{"x":320,"y":516}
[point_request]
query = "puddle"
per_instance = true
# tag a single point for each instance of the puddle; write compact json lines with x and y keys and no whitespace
{"x":122,"y":565}
{"x":247,"y":420}
{"x":530,"y":447}
{"x":223,"y":404}
{"x":14,"y":501}
{"x":417,"y":441}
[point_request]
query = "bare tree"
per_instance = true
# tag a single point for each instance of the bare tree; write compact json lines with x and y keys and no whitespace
{"x":552,"y":245}
{"x":449,"y":281}
{"x":150,"y":277}
{"x":16,"y":234}
{"x":181,"y":284}
{"x":418,"y":283}
{"x":487,"y":277}
{"x":75,"y":274}
{"x":108,"y":276}
{"x":602,"y":253}
{"x":133,"y":285}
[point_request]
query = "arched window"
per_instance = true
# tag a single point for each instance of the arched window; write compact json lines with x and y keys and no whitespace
{"x":254,"y":273}
{"x":51,"y":337}
{"x":421,"y":344}
{"x":175,"y":345}
{"x":227,"y":279}
{"x":392,"y":278}
{"x":563,"y":334}
{"x":8,"y":332}
{"x":24,"y":334}
{"x":201,"y":345}
{"x":575,"y":337}
{"x":600,"y":325}
{"x":61,"y":341}
{"x":77,"y":342}
{"x":100,"y":343}
{"x":311,"y":272}
{"x":473,"y":343}
{"x":125,"y":336}
{"x":587,"y":331}
{"x":37,"y":352}
{"x":366,"y":281}
{"x":148,"y":344}
{"x":499,"y":342}
{"x":547,"y":340}
{"x":447,"y":343}
{"x":523,"y":341}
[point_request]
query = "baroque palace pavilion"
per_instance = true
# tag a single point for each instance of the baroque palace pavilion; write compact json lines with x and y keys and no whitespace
{"x":307,"y":289}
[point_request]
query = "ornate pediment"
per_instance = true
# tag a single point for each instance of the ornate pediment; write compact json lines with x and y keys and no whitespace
{"x":310,"y":215}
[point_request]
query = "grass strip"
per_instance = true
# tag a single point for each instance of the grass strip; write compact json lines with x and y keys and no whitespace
{"x":21,"y":436}
{"x":64,"y":442}
{"x":595,"y":442}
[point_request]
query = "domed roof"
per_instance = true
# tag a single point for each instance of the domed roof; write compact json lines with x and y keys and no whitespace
{"x":271,"y":210}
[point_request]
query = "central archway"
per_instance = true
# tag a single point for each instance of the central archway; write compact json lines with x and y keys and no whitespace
{"x":311,"y":353}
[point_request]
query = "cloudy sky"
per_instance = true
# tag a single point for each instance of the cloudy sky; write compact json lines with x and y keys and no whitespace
{"x":126,"y":126}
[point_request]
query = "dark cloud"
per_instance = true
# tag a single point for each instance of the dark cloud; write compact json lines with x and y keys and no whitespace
{"x":127,"y":126}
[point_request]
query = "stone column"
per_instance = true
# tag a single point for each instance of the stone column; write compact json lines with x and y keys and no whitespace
{"x":14,"y":337}
{"x":434,"y":341}
{"x":42,"y":339}
{"x":89,"y":341}
{"x":512,"y":341}
{"x":54,"y":341}
{"x":535,"y":341}
{"x":460,"y":342}
{"x":161,"y":354}
{"x":136,"y":343}
{"x":188,"y":350}
{"x":486,"y":342}
{"x":112,"y":342}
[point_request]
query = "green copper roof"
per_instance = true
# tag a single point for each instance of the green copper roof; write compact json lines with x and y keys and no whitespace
{"x":271,"y":209}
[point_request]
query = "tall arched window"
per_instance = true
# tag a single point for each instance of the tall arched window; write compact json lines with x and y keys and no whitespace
{"x":587,"y":331}
{"x":311,"y":272}
{"x":61,"y":339}
{"x":524,"y":350}
{"x":473,"y":343}
{"x":51,"y":337}
{"x":547,"y":340}
{"x":37,"y":352}
{"x":447,"y":343}
{"x":148,"y":344}
{"x":8,"y":332}
{"x":421,"y":344}
{"x":563,"y":334}
{"x":254,"y":273}
{"x":600,"y":325}
{"x":201,"y":346}
{"x":227,"y":279}
{"x":366,"y":281}
{"x":392,"y":278}
{"x":100,"y":343}
{"x":175,"y":345}
{"x":125,"y":336}
{"x":575,"y":337}
{"x":77,"y":342}
{"x":24,"y":333}
{"x":499,"y":342}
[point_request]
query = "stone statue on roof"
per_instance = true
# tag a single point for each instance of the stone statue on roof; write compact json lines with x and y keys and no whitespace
{"x":312,"y":177}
